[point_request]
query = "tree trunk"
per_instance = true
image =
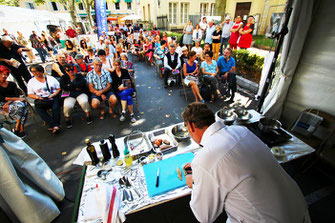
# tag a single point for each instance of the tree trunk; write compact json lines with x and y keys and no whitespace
{"x":73,"y":13}
{"x":87,"y":7}
{"x":221,"y":8}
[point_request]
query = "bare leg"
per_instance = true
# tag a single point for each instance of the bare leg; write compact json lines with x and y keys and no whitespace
{"x":193,"y":90}
{"x":130,"y":108}
{"x":124,"y":105}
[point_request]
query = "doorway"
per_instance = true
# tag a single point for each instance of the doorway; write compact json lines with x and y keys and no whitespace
{"x":243,"y":9}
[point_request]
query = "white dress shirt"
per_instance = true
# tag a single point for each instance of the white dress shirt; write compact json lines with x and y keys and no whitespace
{"x":166,"y":64}
{"x":236,"y":171}
{"x":197,"y":33}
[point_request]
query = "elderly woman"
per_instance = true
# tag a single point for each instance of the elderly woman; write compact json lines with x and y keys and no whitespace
{"x":74,"y":89}
{"x":209,"y":71}
{"x":10,"y":103}
{"x":123,"y":86}
{"x":45,"y":89}
{"x":191,"y":74}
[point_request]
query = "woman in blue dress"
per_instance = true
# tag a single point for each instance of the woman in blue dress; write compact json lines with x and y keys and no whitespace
{"x":188,"y":32}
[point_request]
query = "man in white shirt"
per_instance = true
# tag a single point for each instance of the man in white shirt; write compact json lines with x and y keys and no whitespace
{"x":236,"y":172}
{"x":209,"y":32}
{"x":203,"y":25}
{"x":101,"y":44}
{"x":171,"y":64}
{"x":226,"y":27}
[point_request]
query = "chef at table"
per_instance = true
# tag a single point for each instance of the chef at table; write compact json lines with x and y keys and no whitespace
{"x":236,"y":172}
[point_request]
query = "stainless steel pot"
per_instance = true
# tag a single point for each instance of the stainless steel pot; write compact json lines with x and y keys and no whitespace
{"x":268,"y":124}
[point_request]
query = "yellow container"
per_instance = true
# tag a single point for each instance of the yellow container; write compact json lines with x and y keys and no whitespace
{"x":128,"y":159}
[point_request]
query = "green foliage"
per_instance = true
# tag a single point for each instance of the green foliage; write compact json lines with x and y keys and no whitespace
{"x":10,"y":2}
{"x":245,"y":60}
{"x":263,"y":43}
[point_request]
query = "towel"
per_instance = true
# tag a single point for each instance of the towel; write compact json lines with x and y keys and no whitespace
{"x":103,"y":204}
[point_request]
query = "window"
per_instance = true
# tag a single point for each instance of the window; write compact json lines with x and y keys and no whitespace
{"x":203,"y":9}
{"x":117,"y":6}
{"x":30,"y":5}
{"x":80,"y":6}
{"x":212,"y":9}
{"x":183,"y":12}
{"x":173,"y":13}
{"x":129,"y":5}
{"x":54,"y":6}
{"x":106,"y":6}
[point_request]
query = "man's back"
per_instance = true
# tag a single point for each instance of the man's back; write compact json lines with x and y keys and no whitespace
{"x":236,"y":171}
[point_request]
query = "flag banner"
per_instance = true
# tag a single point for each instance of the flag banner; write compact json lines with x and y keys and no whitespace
{"x":101,"y":16}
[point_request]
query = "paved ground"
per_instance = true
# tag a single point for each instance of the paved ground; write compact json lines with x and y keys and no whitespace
{"x":159,"y":107}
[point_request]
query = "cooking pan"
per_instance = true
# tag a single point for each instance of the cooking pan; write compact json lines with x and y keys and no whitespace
{"x":268,"y":124}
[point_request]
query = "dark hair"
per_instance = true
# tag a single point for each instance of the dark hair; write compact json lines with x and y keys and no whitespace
{"x":37,"y":68}
{"x":118,"y":61}
{"x":82,"y":42}
{"x":163,"y":42}
{"x":90,"y":49}
{"x":209,"y":53}
{"x":229,"y":49}
{"x":69,"y":41}
{"x":199,"y":114}
{"x":101,"y":53}
{"x":191,"y":54}
{"x":68,"y":65}
{"x":207,"y":44}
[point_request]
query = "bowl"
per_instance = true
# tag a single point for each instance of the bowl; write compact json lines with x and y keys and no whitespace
{"x":243,"y":114}
{"x":226,"y":115}
{"x":180,"y":132}
{"x":268,"y":124}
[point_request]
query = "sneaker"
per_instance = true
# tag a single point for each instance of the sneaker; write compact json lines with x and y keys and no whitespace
{"x":68,"y":124}
{"x":123,"y":117}
{"x":89,"y":120}
{"x":132,"y":118}
{"x":22,"y":135}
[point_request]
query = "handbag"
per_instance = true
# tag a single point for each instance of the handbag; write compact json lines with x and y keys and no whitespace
{"x":44,"y":103}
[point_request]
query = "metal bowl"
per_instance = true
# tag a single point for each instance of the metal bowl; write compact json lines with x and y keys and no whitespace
{"x":268,"y":124}
{"x":180,"y":132}
{"x":226,"y":115}
{"x":243,"y":114}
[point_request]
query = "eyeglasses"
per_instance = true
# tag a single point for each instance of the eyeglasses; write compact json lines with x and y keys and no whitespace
{"x":70,"y":69}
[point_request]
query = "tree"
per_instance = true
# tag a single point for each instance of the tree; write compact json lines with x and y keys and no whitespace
{"x":88,"y":4}
{"x":10,"y":2}
{"x":220,"y":8}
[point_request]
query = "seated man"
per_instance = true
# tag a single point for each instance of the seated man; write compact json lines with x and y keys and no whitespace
{"x":236,"y":172}
{"x":159,"y":54}
{"x":81,"y":67}
{"x":171,"y":64}
{"x":100,"y":85}
{"x":226,"y":65}
{"x":58,"y":69}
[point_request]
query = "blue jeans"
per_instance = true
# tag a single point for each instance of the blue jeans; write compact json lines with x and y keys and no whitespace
{"x":42,"y":53}
{"x":224,"y":41}
{"x":54,"y":119}
{"x":125,"y":95}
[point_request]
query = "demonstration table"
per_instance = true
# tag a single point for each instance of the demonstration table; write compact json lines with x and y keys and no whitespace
{"x":294,"y":149}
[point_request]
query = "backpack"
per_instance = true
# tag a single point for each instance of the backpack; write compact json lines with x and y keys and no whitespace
{"x":205,"y":92}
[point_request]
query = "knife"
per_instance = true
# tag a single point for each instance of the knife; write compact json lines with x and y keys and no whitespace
{"x":157,"y":179}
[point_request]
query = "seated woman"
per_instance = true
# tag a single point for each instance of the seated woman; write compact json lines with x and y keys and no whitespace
{"x":148,"y":50}
{"x":209,"y":70}
{"x":74,"y":85}
{"x":107,"y":63}
{"x":70,"y":48}
{"x":10,"y":103}
{"x":126,"y":64}
{"x":45,"y":89}
{"x":159,"y":54}
{"x":123,"y":86}
{"x":90,"y":57}
{"x":191,"y":74}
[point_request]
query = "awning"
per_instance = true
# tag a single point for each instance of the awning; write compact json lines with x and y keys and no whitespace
{"x":116,"y":1}
{"x":128,"y":1}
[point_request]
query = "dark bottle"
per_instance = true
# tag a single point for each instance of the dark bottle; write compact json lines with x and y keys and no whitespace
{"x":115,"y":150}
{"x":91,"y":151}
{"x":105,"y":151}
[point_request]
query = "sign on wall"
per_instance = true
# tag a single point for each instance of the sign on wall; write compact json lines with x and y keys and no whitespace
{"x":101,"y":16}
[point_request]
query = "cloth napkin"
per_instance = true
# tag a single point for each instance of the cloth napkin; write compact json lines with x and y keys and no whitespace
{"x":103,"y":204}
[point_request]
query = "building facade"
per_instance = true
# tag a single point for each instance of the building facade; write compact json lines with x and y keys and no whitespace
{"x":177,"y":11}
{"x":264,"y":11}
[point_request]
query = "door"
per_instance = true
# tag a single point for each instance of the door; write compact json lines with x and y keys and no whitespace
{"x":243,"y":9}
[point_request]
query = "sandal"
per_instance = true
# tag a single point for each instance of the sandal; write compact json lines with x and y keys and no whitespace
{"x":102,"y":115}
{"x":112,"y":113}
{"x":55,"y":129}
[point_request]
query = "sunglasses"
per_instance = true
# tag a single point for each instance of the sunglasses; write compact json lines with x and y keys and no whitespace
{"x":71,"y":69}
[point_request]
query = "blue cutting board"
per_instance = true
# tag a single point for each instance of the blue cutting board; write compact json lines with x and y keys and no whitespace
{"x":168,"y":177}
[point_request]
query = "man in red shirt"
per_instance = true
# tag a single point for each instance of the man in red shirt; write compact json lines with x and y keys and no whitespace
{"x":81,"y":67}
{"x":71,"y":33}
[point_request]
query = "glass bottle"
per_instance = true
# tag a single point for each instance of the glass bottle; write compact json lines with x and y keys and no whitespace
{"x":105,"y":150}
{"x":115,"y":150}
{"x":91,"y":152}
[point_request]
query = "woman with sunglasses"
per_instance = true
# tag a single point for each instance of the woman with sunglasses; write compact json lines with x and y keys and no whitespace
{"x":83,"y":47}
{"x":74,"y":89}
{"x":45,"y":89}
{"x":11,"y":104}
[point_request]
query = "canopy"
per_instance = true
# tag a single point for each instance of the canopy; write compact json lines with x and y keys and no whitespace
{"x":25,"y":20}
{"x":131,"y":17}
